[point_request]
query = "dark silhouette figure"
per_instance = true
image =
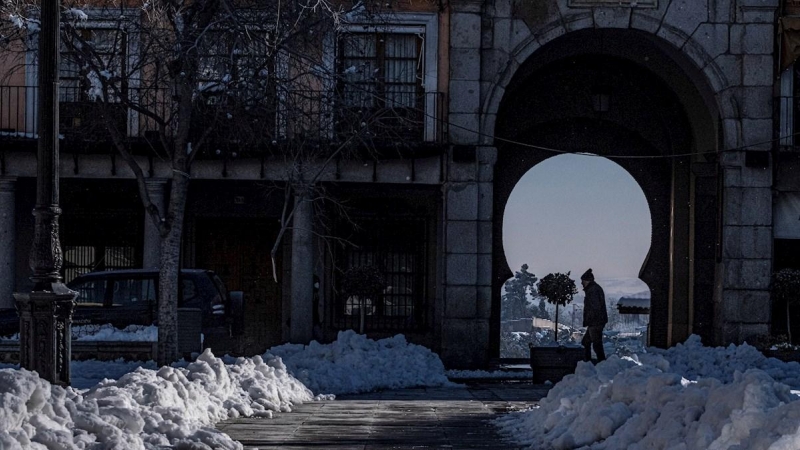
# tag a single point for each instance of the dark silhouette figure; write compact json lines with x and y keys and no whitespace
{"x":595,"y":317}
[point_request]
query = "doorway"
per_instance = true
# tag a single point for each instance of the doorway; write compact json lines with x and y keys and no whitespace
{"x":238,"y":250}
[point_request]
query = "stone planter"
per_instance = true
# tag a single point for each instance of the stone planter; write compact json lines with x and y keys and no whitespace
{"x":553,"y":363}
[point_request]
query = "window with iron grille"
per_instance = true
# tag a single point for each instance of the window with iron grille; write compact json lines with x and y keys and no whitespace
{"x":397,"y":247}
{"x":382,"y":81}
{"x":81,"y":259}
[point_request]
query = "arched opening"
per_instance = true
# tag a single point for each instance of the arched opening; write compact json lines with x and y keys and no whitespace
{"x":569,"y":213}
{"x":627,"y":96}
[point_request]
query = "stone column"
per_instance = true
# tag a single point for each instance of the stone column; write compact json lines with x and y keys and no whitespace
{"x":302,"y":316}
{"x":746,"y":267}
{"x":466,"y":311}
{"x":151,"y":258}
{"x":744,"y":272}
{"x":8,"y":234}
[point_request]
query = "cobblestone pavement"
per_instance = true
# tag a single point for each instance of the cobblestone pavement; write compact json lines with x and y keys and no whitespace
{"x":453,"y":418}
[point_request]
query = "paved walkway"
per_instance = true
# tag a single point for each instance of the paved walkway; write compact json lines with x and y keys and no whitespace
{"x":402,"y":419}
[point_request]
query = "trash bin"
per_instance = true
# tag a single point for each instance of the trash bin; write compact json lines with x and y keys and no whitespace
{"x":190,"y":328}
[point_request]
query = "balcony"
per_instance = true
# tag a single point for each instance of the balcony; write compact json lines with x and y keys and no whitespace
{"x":244,"y":127}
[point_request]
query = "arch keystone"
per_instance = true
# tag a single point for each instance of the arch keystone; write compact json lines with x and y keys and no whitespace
{"x":612,"y":17}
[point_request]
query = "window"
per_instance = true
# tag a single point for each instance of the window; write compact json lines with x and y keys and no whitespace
{"x":91,"y":293}
{"x":387,"y":81}
{"x":382,"y":70}
{"x":397,"y":246}
{"x":81,"y":259}
{"x":91,"y":55}
{"x":382,"y":85}
{"x":241,"y":62}
{"x":79,"y":82}
{"x":131,"y":292}
{"x":235,"y":80}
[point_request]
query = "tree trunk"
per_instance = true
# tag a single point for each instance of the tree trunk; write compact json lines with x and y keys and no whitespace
{"x":170,"y":270}
{"x":302,"y":315}
{"x":555,"y":336}
{"x":788,"y":323}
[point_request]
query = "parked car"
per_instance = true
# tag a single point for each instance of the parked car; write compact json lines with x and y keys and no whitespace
{"x":9,"y":322}
{"x":130,"y":297}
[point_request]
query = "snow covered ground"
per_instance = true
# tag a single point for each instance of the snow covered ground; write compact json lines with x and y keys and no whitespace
{"x":107,"y":332}
{"x":178,"y":406}
{"x":687,"y":397}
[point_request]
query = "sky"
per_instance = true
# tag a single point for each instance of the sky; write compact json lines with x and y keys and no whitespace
{"x":573,"y":212}
{"x":721,"y":398}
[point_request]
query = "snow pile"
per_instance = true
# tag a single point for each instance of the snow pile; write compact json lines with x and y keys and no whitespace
{"x":691,"y":396}
{"x":692,"y":360}
{"x":355,"y":364}
{"x":85,"y":374}
{"x":145,"y":408}
{"x":107,"y":332}
{"x":177,"y":406}
{"x":131,"y":333}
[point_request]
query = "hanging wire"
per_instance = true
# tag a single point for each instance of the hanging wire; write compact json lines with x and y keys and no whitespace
{"x":569,"y":152}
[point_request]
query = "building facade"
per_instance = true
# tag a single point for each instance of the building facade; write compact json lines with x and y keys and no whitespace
{"x":695,"y":89}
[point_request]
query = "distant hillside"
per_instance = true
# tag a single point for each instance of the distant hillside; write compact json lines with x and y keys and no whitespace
{"x":616,"y":288}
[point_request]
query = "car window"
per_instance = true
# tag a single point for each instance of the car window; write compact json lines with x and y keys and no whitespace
{"x":221,"y":290}
{"x":90,"y":293}
{"x":128,"y":291}
{"x":189,"y":290}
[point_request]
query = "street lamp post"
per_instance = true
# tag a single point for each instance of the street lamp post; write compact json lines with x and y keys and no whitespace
{"x":46,"y":312}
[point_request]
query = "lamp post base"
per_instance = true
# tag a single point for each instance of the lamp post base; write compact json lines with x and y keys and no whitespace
{"x":45,"y":322}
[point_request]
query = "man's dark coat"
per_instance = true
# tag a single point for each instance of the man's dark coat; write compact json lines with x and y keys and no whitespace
{"x":594,"y":306}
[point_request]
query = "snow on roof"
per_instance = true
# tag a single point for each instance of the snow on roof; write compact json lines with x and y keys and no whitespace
{"x":633,"y":302}
{"x":633,"y":305}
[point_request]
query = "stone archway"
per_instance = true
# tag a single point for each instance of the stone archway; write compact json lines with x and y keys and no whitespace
{"x":698,"y":51}
{"x":652,"y":117}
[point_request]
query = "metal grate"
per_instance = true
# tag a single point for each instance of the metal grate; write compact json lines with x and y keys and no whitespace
{"x":80,"y":259}
{"x":397,"y":247}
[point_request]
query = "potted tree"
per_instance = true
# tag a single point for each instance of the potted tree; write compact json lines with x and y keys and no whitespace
{"x":557,"y":289}
{"x":785,"y":289}
{"x":553,"y":363}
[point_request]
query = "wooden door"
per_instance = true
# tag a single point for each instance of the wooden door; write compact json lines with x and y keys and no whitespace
{"x":238,"y":250}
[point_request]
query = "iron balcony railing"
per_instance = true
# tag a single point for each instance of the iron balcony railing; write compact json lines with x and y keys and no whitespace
{"x":228,"y":120}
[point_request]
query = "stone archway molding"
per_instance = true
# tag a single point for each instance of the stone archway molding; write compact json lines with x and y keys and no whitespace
{"x":720,"y":59}
{"x":686,"y":29}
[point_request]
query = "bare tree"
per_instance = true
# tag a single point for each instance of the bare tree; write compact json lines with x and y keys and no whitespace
{"x":214,"y":79}
{"x":197,"y":74}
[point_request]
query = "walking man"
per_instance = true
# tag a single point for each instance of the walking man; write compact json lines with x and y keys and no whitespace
{"x":595,"y":317}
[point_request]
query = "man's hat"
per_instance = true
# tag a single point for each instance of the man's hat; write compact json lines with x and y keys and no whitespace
{"x":588,"y":275}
